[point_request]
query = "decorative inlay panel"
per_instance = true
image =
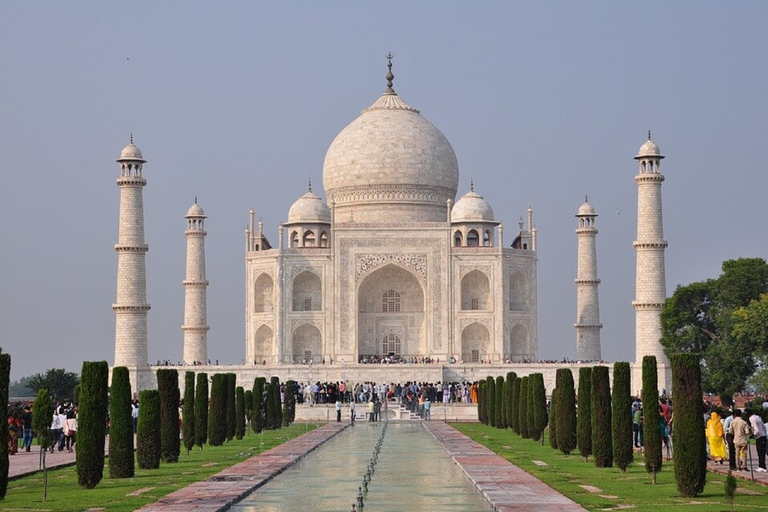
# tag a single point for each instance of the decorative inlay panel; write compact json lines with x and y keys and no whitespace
{"x":466,"y":269}
{"x":486,"y":322}
{"x":364,"y":263}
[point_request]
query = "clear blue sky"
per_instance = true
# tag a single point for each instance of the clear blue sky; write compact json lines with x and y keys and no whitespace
{"x":237,"y":102}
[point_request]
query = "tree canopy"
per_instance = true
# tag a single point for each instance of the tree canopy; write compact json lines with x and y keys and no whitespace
{"x":724,"y":321}
{"x":59,"y":383}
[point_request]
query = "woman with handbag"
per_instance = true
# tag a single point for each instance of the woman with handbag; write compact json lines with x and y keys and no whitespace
{"x":70,"y":430}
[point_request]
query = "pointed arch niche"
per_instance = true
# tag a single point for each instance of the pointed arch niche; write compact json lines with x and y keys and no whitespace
{"x":307,"y":344}
{"x":264,"y":345}
{"x":475,"y":292}
{"x":307,"y":292}
{"x":263,"y":294}
{"x":518,"y":342}
{"x":518,"y":291}
{"x":475,"y":343}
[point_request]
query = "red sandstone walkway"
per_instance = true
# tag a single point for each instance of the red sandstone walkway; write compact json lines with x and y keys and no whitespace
{"x":503,"y":484}
{"x":234,"y":483}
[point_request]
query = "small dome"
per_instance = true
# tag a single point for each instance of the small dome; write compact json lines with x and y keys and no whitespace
{"x":586,"y":209}
{"x":309,"y":209}
{"x":649,"y":148}
{"x":472,"y":208}
{"x":195,"y":211}
{"x":131,"y":153}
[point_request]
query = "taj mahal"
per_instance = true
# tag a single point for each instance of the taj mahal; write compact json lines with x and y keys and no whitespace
{"x":387,"y":265}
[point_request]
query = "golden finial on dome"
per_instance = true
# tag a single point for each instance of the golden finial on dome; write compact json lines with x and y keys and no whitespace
{"x":390,"y":76}
{"x":310,"y":184}
{"x":131,"y":137}
{"x":471,"y":185}
{"x":649,"y":134}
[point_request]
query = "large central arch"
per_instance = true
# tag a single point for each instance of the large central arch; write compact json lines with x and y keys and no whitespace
{"x":390,"y":305}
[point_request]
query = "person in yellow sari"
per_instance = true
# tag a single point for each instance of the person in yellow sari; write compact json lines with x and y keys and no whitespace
{"x":716,"y":437}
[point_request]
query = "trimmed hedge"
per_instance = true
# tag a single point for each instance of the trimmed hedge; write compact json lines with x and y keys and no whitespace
{"x":148,"y":430}
{"x":553,"y":420}
{"x":651,"y":427}
{"x":622,"y":416}
{"x":515,"y":419}
{"x":5,"y":463}
{"x":41,"y":419}
{"x":248,"y":405}
{"x":289,"y":404}
{"x":188,"y":412}
{"x":231,"y":406}
{"x":499,"y":402}
{"x":505,"y":404}
{"x":584,"y":414}
{"x":257,"y":408}
{"x":168,"y":386}
{"x":481,"y":417}
{"x":688,"y":435}
{"x":522,"y":408}
{"x":239,"y":412}
{"x":201,"y":410}
{"x":217,"y":415}
{"x":511,"y":406}
{"x":538,"y":395}
{"x":92,"y":423}
{"x":121,"y":457}
{"x":602,"y":447}
{"x":566,"y":411}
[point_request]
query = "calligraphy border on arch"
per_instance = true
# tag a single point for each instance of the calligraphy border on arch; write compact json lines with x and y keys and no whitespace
{"x":367,"y":263}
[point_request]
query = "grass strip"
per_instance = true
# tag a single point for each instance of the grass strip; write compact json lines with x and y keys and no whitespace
{"x":147,"y":486}
{"x":617,"y":490}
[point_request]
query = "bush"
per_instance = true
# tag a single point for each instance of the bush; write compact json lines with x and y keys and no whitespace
{"x":566,"y":411}
{"x":289,"y":405}
{"x":511,"y":409}
{"x":651,"y":427}
{"x":248,"y":405}
{"x":515,"y":409}
{"x":602,"y":447}
{"x":539,"y":405}
{"x":201,"y":410}
{"x":217,"y":415}
{"x":188,"y":412}
{"x":481,"y":417}
{"x":257,"y":409}
{"x":231,"y":406}
{"x":41,"y":419}
{"x":499,"y":401}
{"x":553,"y":420}
{"x":490,"y":386}
{"x":168,"y":387}
{"x":688,"y":436}
{"x":522,"y":408}
{"x":121,"y":458}
{"x":92,"y":423}
{"x":148,"y":430}
{"x":5,"y":463}
{"x":622,"y":416}
{"x":239,"y":412}
{"x":584,"y":414}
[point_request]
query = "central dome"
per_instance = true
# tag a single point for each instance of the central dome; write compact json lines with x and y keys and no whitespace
{"x":390,"y":165}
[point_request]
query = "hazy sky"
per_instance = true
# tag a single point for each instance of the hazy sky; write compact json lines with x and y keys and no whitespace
{"x":237,"y":103}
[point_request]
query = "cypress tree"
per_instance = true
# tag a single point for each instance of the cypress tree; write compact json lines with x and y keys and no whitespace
{"x":539,"y":403}
{"x":5,"y":463}
{"x":566,"y":411}
{"x":248,"y":406}
{"x":91,"y":423}
{"x":41,"y":419}
{"x":76,"y":395}
{"x":121,"y":458}
{"x":553,"y":420}
{"x":490,"y":385}
{"x":481,"y":402}
{"x":530,"y":413}
{"x":168,"y":387}
{"x":522,"y":408}
{"x":148,"y":430}
{"x":622,"y":416}
{"x":188,"y":416}
{"x":231,"y":412}
{"x":499,"y":401}
{"x":201,"y":410}
{"x":584,"y":414}
{"x":277,"y":419}
{"x":688,"y":435}
{"x":516,"y":404}
{"x":217,"y":415}
{"x":511,"y":410}
{"x":651,"y":427}
{"x":289,"y":404}
{"x":257,"y":409}
{"x":505,"y":404}
{"x":601,"y":417}
{"x":239,"y":412}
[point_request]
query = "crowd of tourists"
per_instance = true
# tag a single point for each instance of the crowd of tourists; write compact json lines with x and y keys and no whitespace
{"x":364,"y":392}
{"x":63,"y":430}
{"x":729,"y":434}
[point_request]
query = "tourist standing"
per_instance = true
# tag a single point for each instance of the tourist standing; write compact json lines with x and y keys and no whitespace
{"x":26,"y":425}
{"x":352,"y":413}
{"x":741,"y":431}
{"x":716,"y":436}
{"x":729,"y":441}
{"x":338,"y":411}
{"x":758,"y":431}
{"x":70,"y":430}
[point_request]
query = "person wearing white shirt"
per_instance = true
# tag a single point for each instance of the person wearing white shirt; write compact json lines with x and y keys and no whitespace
{"x":758,"y":431}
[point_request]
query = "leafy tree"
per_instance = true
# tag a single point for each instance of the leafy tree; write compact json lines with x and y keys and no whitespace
{"x":702,"y":319}
{"x":201,"y":410}
{"x":651,"y":425}
{"x":584,"y":416}
{"x":59,"y":383}
{"x":490,"y":386}
{"x":121,"y":458}
{"x":217,"y":419}
{"x":92,"y":423}
{"x":168,"y":386}
{"x":730,"y":487}
{"x":5,"y":463}
{"x":239,"y":412}
{"x":522,"y":408}
{"x":148,"y":430}
{"x":601,"y":417}
{"x":511,"y":409}
{"x":553,"y":420}
{"x":188,"y":411}
{"x":538,"y":395}
{"x":41,"y":423}
{"x":21,"y":389}
{"x":566,"y":411}
{"x":515,"y":409}
{"x":257,"y":410}
{"x":688,"y":436}
{"x":499,"y":401}
{"x":622,"y":416}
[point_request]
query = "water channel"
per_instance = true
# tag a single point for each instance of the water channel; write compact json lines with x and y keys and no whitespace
{"x":412,"y":472}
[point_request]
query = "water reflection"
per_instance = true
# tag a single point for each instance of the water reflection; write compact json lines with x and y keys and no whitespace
{"x":413,"y":473}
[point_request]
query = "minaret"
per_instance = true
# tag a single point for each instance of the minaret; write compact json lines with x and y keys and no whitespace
{"x":650,"y":287}
{"x":195,"y":326}
{"x":131,"y":305}
{"x":587,"y":305}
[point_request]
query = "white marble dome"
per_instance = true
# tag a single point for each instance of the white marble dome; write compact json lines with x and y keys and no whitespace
{"x":390,"y":158}
{"x":586,"y":209}
{"x":309,"y":209}
{"x":649,"y":148}
{"x":195,"y":211}
{"x":472,"y":208}
{"x":131,"y":152}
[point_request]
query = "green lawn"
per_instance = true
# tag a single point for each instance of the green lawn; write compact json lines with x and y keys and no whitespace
{"x":148,"y":485}
{"x":617,"y":490}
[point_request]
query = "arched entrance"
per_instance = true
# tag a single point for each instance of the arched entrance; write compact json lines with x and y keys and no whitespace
{"x":475,"y":343}
{"x":390,"y":309}
{"x":307,"y":344}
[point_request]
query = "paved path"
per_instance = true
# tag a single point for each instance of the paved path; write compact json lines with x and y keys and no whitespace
{"x":759,"y":478}
{"x":25,"y":463}
{"x":234,"y":483}
{"x":503,"y":484}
